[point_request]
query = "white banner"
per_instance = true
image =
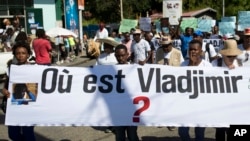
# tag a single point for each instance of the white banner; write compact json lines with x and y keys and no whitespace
{"x":173,"y":10}
{"x":150,"y":95}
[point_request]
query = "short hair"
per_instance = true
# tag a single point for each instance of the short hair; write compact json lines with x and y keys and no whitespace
{"x":195,"y":42}
{"x":21,"y":44}
{"x":9,"y":30}
{"x":40,"y":33}
{"x":187,"y":28}
{"x":21,"y":36}
{"x":19,"y":89}
{"x":121,"y":46}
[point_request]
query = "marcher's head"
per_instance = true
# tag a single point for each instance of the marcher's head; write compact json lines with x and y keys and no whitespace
{"x":6,"y":22}
{"x":22,"y":36}
{"x":215,"y":29}
{"x":166,"y":43}
{"x":246,"y":44}
{"x":10,"y":31}
{"x":137,"y":35}
{"x":108,"y":44}
{"x":19,"y":90}
{"x":198,"y":35}
{"x":108,"y":48}
{"x":195,"y":50}
{"x":230,"y":51}
{"x":113,"y":34}
{"x":148,"y":36}
{"x":189,"y":31}
{"x":101,"y":25}
{"x":40,"y":33}
{"x":126,"y":36}
{"x":21,"y":50}
{"x":121,"y":54}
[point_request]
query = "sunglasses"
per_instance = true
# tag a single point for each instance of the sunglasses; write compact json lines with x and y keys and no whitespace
{"x":231,"y":56}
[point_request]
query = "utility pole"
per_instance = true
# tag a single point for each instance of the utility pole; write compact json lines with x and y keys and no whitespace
{"x":121,"y":9}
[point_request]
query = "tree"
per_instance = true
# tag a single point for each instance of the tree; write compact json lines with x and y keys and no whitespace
{"x":109,"y":10}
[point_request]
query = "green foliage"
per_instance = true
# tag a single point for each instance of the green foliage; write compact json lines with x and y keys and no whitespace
{"x":109,"y":10}
{"x":90,"y":21}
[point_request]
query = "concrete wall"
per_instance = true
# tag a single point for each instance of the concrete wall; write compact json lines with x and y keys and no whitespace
{"x":49,"y":12}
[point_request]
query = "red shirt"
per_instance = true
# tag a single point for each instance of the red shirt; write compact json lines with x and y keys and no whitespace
{"x":42,"y":48}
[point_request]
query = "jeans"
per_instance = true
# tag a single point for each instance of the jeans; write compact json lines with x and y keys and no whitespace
{"x":120,"y":133}
{"x":184,"y":133}
{"x":21,"y":133}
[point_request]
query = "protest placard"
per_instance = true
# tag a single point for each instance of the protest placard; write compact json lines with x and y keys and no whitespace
{"x":226,"y":28}
{"x":189,"y":22}
{"x":243,"y":20}
{"x":173,"y":10}
{"x":157,"y":26}
{"x":229,"y":19}
{"x":130,"y":95}
{"x":127,"y":24}
{"x":145,"y":24}
{"x":205,"y":25}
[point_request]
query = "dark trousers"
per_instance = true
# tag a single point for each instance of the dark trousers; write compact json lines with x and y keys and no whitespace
{"x":184,"y":133}
{"x":120,"y":133}
{"x":220,"y":134}
{"x":21,"y":133}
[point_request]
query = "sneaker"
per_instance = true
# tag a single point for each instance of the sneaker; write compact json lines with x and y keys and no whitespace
{"x":108,"y":130}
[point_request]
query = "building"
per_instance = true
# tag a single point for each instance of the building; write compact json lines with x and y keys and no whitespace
{"x":206,"y":13}
{"x":32,"y":13}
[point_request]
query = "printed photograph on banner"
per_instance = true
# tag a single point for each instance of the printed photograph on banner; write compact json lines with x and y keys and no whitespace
{"x":23,"y":93}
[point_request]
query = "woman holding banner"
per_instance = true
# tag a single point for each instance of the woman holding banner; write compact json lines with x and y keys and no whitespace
{"x":21,"y":52}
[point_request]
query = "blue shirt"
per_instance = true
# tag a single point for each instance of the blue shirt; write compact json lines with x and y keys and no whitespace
{"x":185,"y":44}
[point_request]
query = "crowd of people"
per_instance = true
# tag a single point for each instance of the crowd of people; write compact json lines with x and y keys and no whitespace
{"x":134,"y":47}
{"x":46,"y":50}
{"x":139,"y":47}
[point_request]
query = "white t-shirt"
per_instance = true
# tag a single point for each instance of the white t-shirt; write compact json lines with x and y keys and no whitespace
{"x":203,"y":63}
{"x":106,"y":59}
{"x":140,"y":50}
{"x":101,"y":34}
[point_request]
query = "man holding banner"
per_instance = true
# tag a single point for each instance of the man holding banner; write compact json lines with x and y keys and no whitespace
{"x":121,"y":54}
{"x":194,"y":52}
{"x":209,"y":53}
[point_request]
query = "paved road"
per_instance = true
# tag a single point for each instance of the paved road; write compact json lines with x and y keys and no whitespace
{"x":97,"y":133}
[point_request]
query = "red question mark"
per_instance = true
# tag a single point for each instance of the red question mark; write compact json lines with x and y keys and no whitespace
{"x":143,"y":108}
